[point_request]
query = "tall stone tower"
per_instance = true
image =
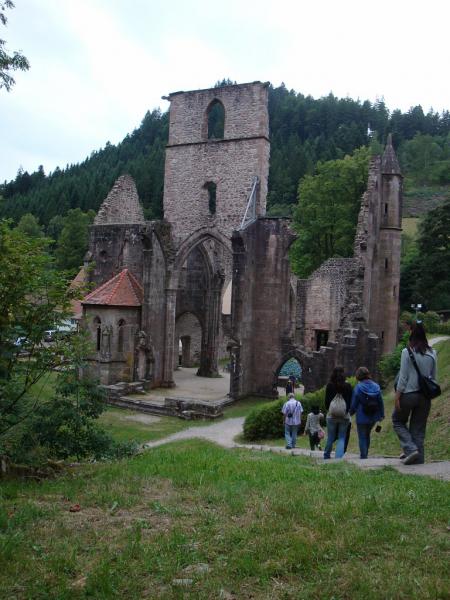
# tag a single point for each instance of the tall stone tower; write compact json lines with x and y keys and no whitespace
{"x":218,"y":144}
{"x":389,"y":250}
{"x":378,"y":245}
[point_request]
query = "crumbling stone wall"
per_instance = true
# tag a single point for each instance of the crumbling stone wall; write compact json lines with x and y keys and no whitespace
{"x":323,"y":296}
{"x":378,"y":246}
{"x":122,"y":205}
{"x":113,"y":248}
{"x":261,"y":289}
{"x":262,"y":336}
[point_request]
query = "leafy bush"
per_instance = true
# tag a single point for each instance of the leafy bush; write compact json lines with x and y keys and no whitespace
{"x":442,"y":328}
{"x":389,"y":364}
{"x":266,"y":421}
{"x":431,"y":320}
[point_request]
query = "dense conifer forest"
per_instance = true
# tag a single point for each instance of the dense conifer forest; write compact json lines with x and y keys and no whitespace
{"x":303,"y":131}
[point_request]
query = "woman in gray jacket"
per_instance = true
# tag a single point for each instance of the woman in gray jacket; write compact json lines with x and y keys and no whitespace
{"x":410,"y":404}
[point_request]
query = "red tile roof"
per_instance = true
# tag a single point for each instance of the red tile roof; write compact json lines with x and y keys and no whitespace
{"x":121,"y":290}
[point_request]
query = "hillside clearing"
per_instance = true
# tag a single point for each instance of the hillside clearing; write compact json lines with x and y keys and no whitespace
{"x":193,"y":520}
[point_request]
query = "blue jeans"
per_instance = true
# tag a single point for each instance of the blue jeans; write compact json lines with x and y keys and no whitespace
{"x":364,"y":430}
{"x":335,"y":429}
{"x":290,"y":435}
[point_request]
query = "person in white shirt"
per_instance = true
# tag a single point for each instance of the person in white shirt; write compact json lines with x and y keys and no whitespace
{"x":292,"y":412}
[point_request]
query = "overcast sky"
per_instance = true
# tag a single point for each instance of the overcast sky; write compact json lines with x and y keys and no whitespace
{"x":98,"y":65}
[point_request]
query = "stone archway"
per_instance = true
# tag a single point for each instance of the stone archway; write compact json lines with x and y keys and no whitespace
{"x":195,"y":285}
{"x":303,"y":359}
{"x":188,"y":339}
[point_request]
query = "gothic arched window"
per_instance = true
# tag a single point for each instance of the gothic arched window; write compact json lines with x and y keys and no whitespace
{"x":98,"y":332}
{"x":211,"y":188}
{"x":216,"y":120}
{"x":120,"y":335}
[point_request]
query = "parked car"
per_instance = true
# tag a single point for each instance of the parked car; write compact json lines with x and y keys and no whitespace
{"x":49,"y":335}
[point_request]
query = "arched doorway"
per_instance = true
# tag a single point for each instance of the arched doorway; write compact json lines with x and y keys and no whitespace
{"x":290,"y":371}
{"x":188,"y":340}
{"x":201,"y":267}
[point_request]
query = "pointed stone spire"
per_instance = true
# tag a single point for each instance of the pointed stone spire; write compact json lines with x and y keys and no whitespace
{"x":122,"y":205}
{"x":389,"y":162}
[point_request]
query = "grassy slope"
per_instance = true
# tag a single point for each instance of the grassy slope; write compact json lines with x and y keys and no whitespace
{"x":267,"y":526}
{"x":409,"y":226}
{"x":417,"y":201}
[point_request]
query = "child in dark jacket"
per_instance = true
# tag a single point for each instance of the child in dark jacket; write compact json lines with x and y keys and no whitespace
{"x":368,"y":405}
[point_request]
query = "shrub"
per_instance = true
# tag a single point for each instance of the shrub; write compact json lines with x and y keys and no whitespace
{"x":266,"y":422}
{"x":431,"y":320}
{"x":389,"y":364}
{"x":442,"y":328}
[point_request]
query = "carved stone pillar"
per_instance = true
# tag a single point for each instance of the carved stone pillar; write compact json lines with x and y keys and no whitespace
{"x":210,"y":337}
{"x":169,"y":348}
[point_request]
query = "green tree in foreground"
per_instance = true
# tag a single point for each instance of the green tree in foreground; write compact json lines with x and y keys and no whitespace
{"x":9,"y":62}
{"x":33,"y":298}
{"x":66,"y":426}
{"x":327,"y":211}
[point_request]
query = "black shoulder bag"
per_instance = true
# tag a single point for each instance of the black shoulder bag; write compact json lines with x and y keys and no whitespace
{"x":429,"y":388}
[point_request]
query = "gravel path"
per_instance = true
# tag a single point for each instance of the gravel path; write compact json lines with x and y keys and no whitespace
{"x":440,"y":338}
{"x":224,"y":432}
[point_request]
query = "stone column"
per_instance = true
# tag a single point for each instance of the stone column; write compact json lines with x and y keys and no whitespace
{"x":169,"y":347}
{"x":146,"y":282}
{"x":210,"y":337}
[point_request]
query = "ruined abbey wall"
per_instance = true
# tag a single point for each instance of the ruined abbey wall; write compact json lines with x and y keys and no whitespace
{"x":320,"y":299}
{"x":345,"y":313}
{"x":114,"y":247}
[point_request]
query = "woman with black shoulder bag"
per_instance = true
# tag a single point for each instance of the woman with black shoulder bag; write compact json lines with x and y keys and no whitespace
{"x":415,"y":388}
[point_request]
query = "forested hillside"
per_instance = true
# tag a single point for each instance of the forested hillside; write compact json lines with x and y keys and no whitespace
{"x":303,"y":131}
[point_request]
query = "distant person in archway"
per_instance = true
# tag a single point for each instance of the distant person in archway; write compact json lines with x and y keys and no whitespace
{"x":292,"y":412}
{"x":293,"y":380}
{"x":289,"y":387}
{"x":367,"y":403}
{"x":338,"y":397}
{"x":410,"y":403}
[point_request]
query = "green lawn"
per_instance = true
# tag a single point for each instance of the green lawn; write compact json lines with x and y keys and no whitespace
{"x":124,"y":424}
{"x":266,"y":526}
{"x":409,"y":226}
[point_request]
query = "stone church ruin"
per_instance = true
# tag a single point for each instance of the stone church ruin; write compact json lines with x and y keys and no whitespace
{"x":163,"y":288}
